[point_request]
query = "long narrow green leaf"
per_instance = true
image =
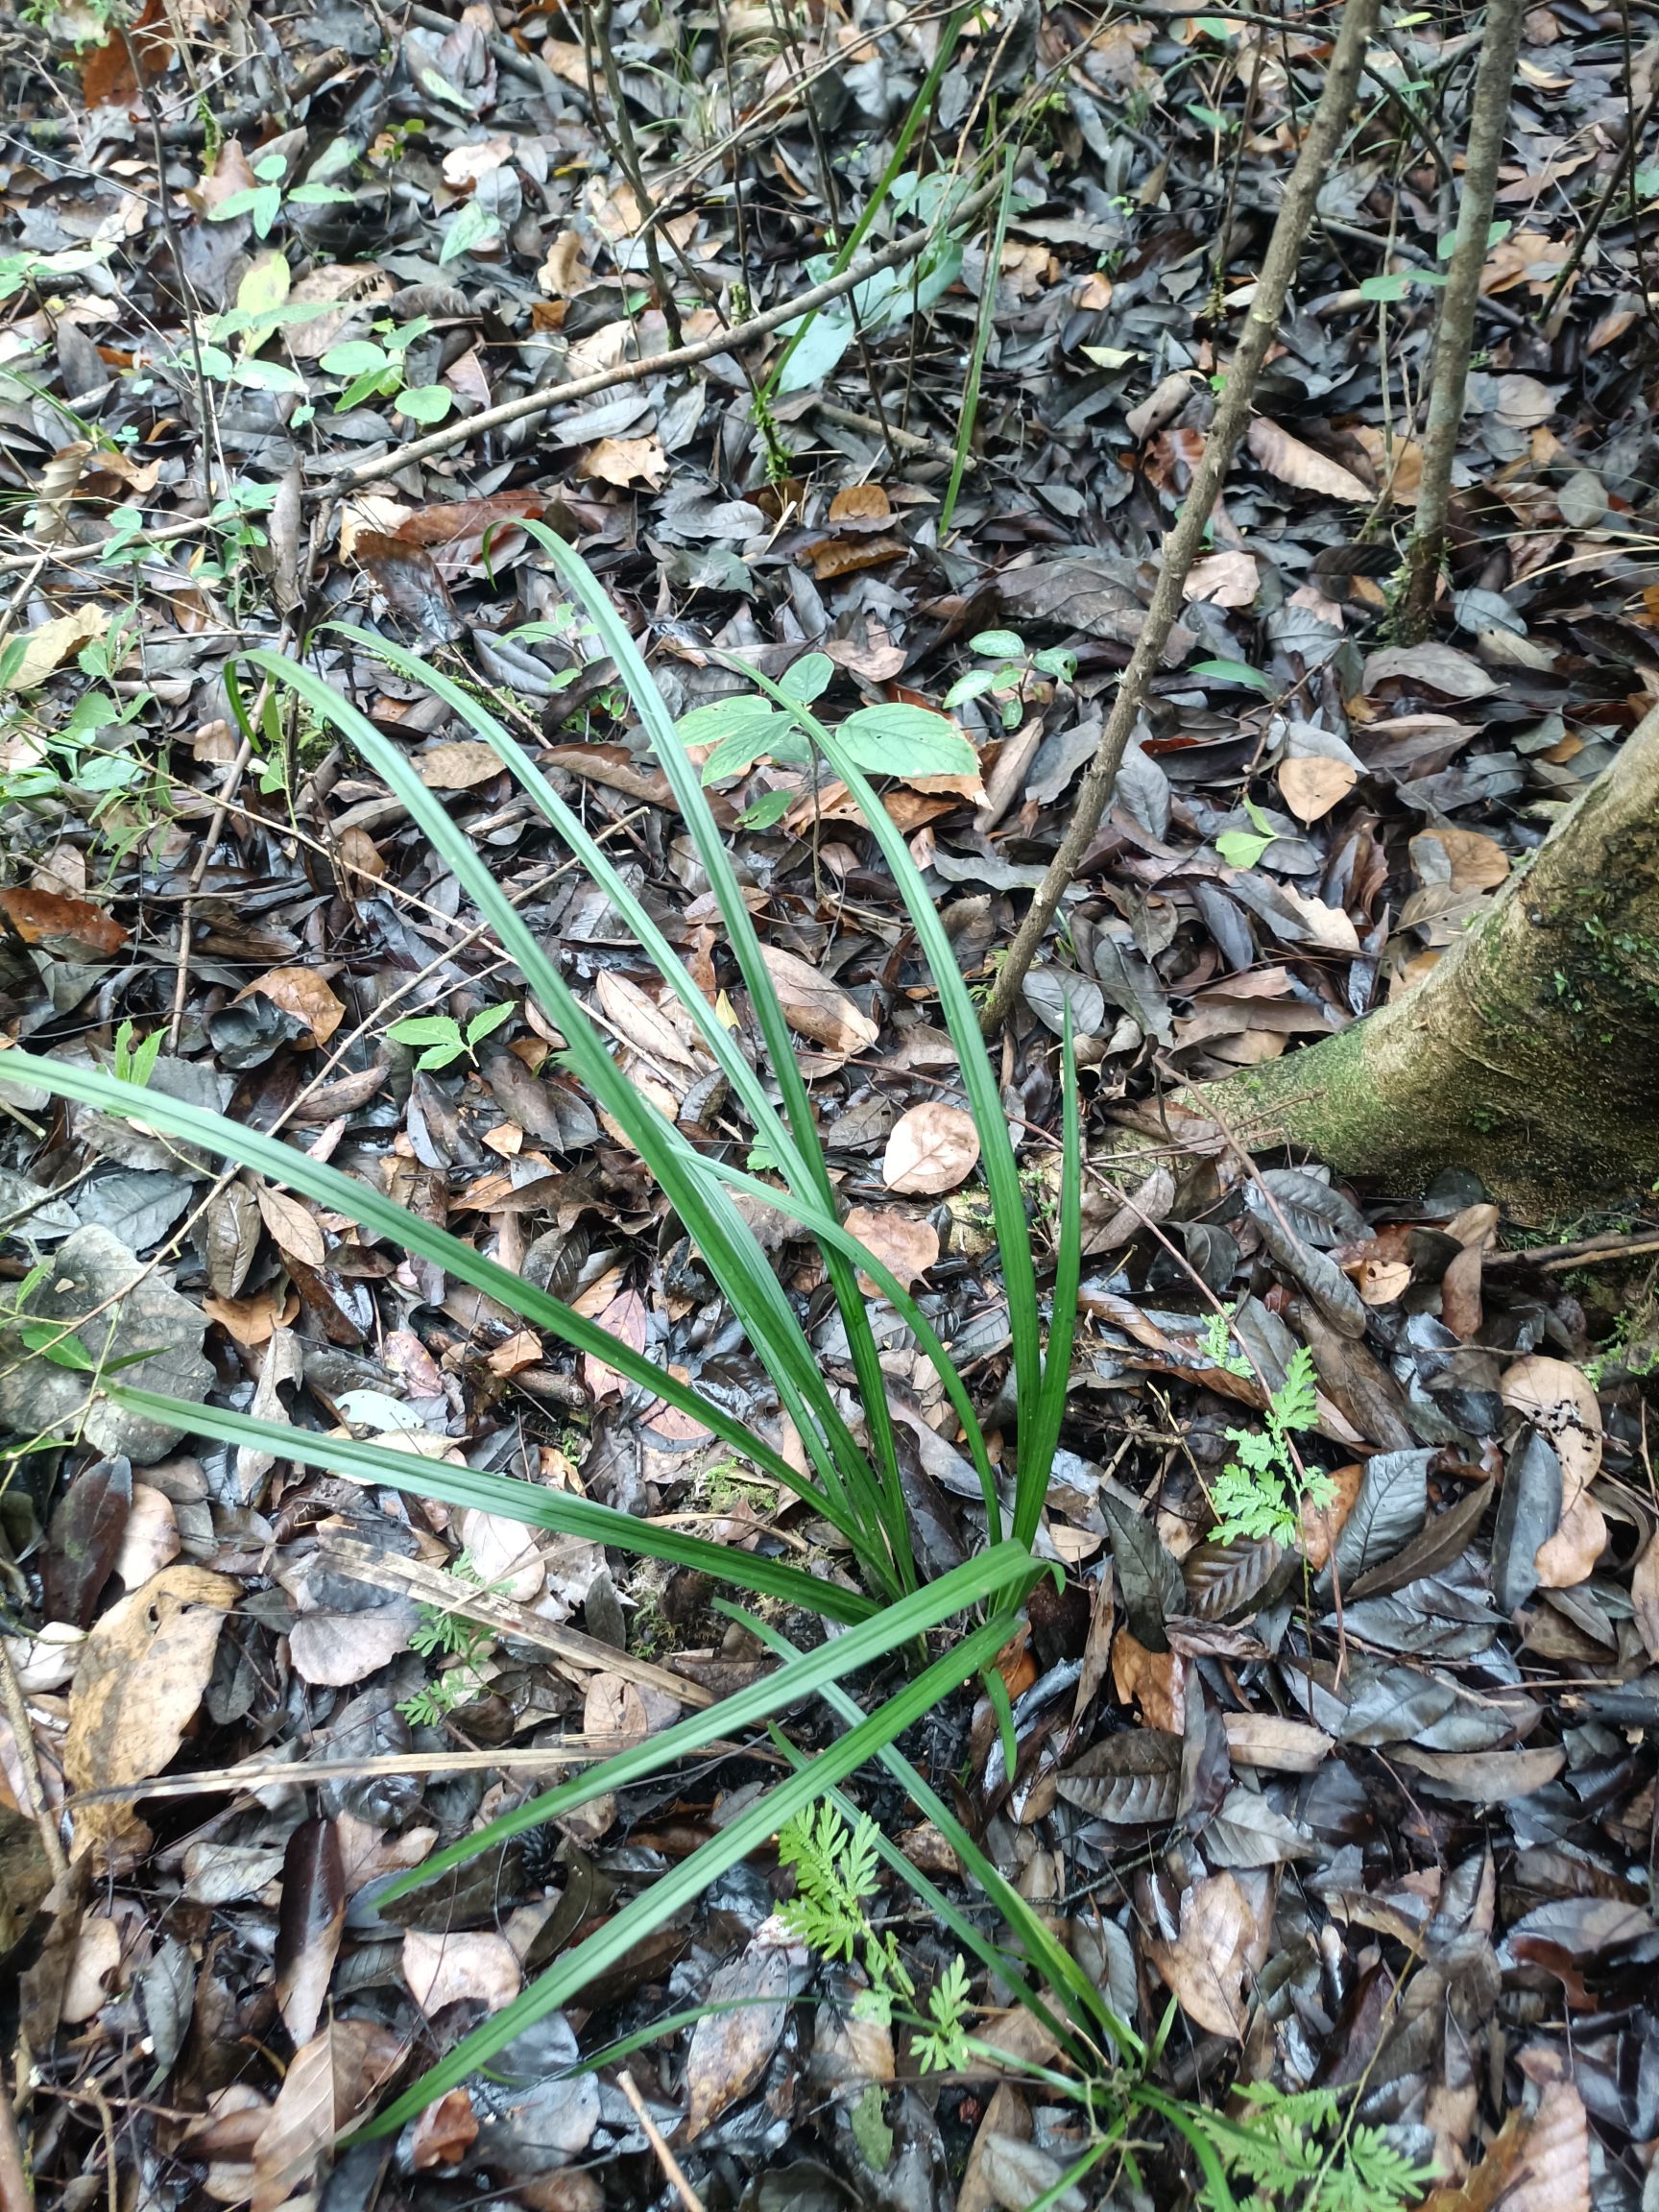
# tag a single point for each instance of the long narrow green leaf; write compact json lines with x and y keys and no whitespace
{"x":1032,"y":1490}
{"x":984,"y":324}
{"x":727,"y":1242}
{"x":524,"y":1502}
{"x":693,"y":801}
{"x":1060,"y":1971}
{"x":974,"y":1583}
{"x":984,"y":1099}
{"x":374,"y":1210}
{"x":612,"y":1943}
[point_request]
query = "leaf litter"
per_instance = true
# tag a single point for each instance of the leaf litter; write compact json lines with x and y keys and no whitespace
{"x":1368,"y":1797}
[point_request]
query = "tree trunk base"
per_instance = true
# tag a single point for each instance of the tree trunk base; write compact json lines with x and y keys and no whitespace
{"x":1528,"y":1055}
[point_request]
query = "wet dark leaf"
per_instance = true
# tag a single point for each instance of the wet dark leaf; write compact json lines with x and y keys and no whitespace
{"x":1529,"y":1514}
{"x":83,"y":1539}
{"x":309,"y":1924}
{"x":1133,"y":1780}
{"x":1148,"y":1577}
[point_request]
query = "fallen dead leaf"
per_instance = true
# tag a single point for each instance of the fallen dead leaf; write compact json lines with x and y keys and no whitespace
{"x":1313,"y":785}
{"x":814,"y":1007}
{"x":72,"y":928}
{"x":904,"y":1243}
{"x":1280,"y":1746}
{"x":52,"y":643}
{"x":293,"y":1227}
{"x":444,"y":1968}
{"x":1540,"y":2162}
{"x":1222,"y":1939}
{"x":1558,"y":1400}
{"x":730,"y":2048}
{"x":932,"y":1148}
{"x":624,"y":461}
{"x":866,"y":503}
{"x":460,"y":766}
{"x":1298,"y":465}
{"x":1224,"y":579}
{"x":300,"y":992}
{"x":141,"y":1674}
{"x":328,"y":2084}
{"x":1156,"y":1679}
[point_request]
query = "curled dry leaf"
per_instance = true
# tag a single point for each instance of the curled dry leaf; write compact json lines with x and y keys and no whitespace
{"x":814,"y":1007}
{"x":1223,"y":1941}
{"x":1224,"y":579}
{"x":904,"y":1243}
{"x":1556,"y":1399}
{"x":140,"y":1678}
{"x":305,"y":995}
{"x":624,"y":461}
{"x":932,"y":1148}
{"x":73,"y":927}
{"x":309,"y":1925}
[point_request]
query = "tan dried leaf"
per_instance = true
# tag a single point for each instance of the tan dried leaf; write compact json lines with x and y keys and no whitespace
{"x":460,"y":766}
{"x":1555,"y":1397}
{"x":142,"y":1671}
{"x":1313,"y":785}
{"x":624,"y":461}
{"x":904,"y":1243}
{"x":932,"y":1148}
{"x":1298,"y":465}
{"x":814,"y":1007}
{"x":443,"y":1967}
{"x":1205,"y":1967}
{"x":1279,"y":1746}
{"x":328,"y":2084}
{"x":1225,"y":579}
{"x":1156,"y":1679}
{"x":51,"y":644}
{"x":731,"y":2048}
{"x":1644,"y":1596}
{"x":1328,"y":926}
{"x":861,"y":503}
{"x":293,"y":1228}
{"x":1540,"y":2162}
{"x":300,"y":992}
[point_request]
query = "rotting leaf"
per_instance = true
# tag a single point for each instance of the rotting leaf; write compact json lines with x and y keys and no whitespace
{"x":1387,"y":1513}
{"x":74,"y":929}
{"x":1539,"y":2162}
{"x":1435,"y":1546}
{"x":733,"y":2044}
{"x":1222,"y":1580}
{"x":814,"y":1007}
{"x":84,"y":1538}
{"x":1221,"y":1940}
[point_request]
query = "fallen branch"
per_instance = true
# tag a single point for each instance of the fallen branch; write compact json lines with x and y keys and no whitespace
{"x":1181,"y":548}
{"x":725,"y":341}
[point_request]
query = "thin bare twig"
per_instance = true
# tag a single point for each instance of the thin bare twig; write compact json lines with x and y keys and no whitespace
{"x":1181,"y":548}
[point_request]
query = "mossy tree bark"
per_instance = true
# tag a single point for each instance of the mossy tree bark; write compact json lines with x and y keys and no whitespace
{"x":1530,"y":1054}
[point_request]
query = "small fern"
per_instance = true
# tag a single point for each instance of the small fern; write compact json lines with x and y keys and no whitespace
{"x":438,"y":1630}
{"x":1260,"y":1493}
{"x":1297,"y":2157}
{"x":835,"y":1873}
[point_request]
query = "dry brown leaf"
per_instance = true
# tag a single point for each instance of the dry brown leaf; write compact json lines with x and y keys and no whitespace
{"x":72,"y":928}
{"x":52,"y":643}
{"x":1462,"y":860}
{"x":861,"y":503}
{"x":460,"y":766}
{"x":327,"y":2084}
{"x":624,"y":1318}
{"x":91,"y":1970}
{"x":932,"y":1148}
{"x":506,"y":1556}
{"x":293,"y":1228}
{"x":624,"y":461}
{"x":1224,"y":579}
{"x":1221,"y":1941}
{"x":1328,"y":926}
{"x":1279,"y":1746}
{"x":1321,"y":1525}
{"x":1293,"y":463}
{"x":638,"y":1021}
{"x":304,"y":993}
{"x":1400,"y":456}
{"x":1462,"y":1308}
{"x":1539,"y":2163}
{"x":444,"y":2133}
{"x":730,"y":2049}
{"x":1558,"y":1400}
{"x":904,"y":1243}
{"x":1644,"y":1596}
{"x":1156,"y":1679}
{"x":443,"y":1968}
{"x":142,"y":1671}
{"x":815,"y":1007}
{"x":1313,"y":785}
{"x":833,"y":556}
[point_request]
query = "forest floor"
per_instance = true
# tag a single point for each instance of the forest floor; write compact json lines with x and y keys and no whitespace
{"x":1384,"y":1826}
